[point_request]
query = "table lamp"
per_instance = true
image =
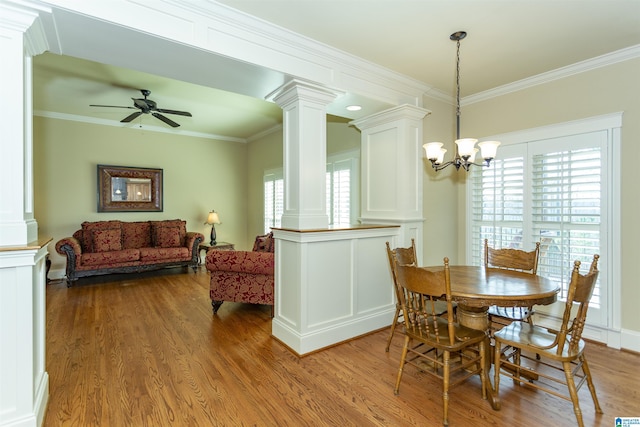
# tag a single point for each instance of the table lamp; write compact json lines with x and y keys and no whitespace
{"x":213,"y":219}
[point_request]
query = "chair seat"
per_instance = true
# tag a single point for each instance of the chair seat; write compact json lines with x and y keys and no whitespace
{"x":532,"y":337}
{"x":511,"y":313}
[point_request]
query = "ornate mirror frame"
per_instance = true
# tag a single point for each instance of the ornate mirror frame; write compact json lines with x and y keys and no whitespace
{"x":129,"y":189}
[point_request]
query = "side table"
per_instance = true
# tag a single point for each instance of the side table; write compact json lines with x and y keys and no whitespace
{"x":220,"y":246}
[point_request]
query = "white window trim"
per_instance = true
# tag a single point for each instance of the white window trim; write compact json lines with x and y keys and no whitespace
{"x":612,"y":123}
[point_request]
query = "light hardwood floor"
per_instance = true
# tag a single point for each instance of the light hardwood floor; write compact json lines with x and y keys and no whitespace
{"x":146,"y":351}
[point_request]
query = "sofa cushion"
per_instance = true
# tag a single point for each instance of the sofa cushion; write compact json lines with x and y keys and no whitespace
{"x":156,"y":230}
{"x":264,"y":243}
{"x":168,"y":237}
{"x":164,"y":254}
{"x":107,"y":259}
{"x":85,"y":241}
{"x":136,"y":235}
{"x":106,"y":240}
{"x":88,"y":228}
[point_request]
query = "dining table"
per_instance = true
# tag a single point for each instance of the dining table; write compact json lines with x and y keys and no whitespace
{"x":476,"y":288}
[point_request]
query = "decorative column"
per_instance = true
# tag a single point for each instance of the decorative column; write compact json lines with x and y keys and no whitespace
{"x":305,"y":153}
{"x":330,"y":284}
{"x":24,"y":383}
{"x":392,"y":169}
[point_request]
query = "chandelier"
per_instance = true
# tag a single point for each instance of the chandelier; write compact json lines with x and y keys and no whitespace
{"x":465,"y":154}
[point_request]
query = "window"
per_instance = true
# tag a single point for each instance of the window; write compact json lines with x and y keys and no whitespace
{"x":339,"y":192}
{"x":342,"y":191}
{"x":554,"y":186}
{"x":273,"y":199}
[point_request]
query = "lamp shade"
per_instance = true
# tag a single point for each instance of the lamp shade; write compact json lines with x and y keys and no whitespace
{"x":213,"y":218}
{"x":440,"y":158}
{"x":489,"y":149}
{"x":466,"y":146}
{"x":432,"y":149}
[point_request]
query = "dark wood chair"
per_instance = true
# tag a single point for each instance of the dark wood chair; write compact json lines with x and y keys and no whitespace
{"x":404,"y":256}
{"x":560,"y":352}
{"x":434,"y":343}
{"x":512,"y":259}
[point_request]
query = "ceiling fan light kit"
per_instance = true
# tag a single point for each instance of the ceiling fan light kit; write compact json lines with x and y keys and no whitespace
{"x":147,"y":106}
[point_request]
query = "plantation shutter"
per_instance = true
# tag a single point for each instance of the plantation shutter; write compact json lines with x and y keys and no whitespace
{"x":566,"y":211}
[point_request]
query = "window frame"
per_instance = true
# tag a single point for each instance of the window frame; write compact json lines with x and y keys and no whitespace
{"x":610,"y":330}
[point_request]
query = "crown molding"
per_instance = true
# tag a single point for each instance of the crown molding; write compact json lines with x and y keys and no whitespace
{"x":264,"y":133}
{"x":115,"y":123}
{"x":605,"y":60}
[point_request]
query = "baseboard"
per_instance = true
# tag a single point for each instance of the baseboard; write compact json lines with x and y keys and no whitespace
{"x":630,"y":340}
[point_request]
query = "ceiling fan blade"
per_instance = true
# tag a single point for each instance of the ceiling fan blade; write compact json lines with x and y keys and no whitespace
{"x":131,"y":117}
{"x":166,"y":120}
{"x":180,"y":113}
{"x":112,"y":106}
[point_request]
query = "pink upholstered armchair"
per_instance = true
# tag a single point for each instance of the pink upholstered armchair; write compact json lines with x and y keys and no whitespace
{"x":242,"y":276}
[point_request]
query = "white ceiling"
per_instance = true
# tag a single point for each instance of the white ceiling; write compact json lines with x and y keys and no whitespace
{"x":507,"y":41}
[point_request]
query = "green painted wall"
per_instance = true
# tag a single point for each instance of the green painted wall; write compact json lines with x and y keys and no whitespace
{"x":199,"y":175}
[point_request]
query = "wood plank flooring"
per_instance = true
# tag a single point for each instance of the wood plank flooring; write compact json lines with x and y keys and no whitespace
{"x":145,"y":350}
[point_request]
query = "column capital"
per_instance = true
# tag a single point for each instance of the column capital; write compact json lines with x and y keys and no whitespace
{"x":300,"y":91}
{"x":26,"y":17}
{"x":401,"y":112}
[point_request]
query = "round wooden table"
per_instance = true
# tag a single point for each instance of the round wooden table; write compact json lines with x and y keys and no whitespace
{"x":475,"y":289}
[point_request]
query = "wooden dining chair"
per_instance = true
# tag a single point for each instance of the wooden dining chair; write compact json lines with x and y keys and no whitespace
{"x":434,"y":343}
{"x":511,"y":259}
{"x":559,"y":351}
{"x":404,"y":256}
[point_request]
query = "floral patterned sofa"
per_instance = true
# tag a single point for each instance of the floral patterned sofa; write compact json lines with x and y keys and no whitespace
{"x":105,"y":247}
{"x":242,"y":276}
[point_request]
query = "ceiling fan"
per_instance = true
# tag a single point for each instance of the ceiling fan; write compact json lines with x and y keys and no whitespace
{"x":147,"y":106}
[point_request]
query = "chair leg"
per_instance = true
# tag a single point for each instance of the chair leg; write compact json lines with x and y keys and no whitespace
{"x":516,"y":360}
{"x":402,"y":361}
{"x":445,"y":388}
{"x":573,"y":392}
{"x":592,"y":388}
{"x":497,"y":353}
{"x":393,"y":328}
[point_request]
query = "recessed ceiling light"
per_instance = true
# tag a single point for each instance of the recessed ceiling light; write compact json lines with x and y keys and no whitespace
{"x":354,"y":108}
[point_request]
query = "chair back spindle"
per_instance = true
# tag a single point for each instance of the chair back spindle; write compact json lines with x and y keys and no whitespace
{"x":580,"y":291}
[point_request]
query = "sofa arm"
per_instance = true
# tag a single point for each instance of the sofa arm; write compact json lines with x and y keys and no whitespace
{"x":241,"y":262}
{"x":192,"y":241}
{"x":69,"y":246}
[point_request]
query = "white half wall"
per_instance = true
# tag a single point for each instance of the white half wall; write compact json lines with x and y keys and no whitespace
{"x":332,"y":285}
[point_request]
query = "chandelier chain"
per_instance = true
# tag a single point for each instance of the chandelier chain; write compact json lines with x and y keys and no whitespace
{"x":458,"y":88}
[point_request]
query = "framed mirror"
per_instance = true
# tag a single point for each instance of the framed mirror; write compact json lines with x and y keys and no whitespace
{"x":129,"y":189}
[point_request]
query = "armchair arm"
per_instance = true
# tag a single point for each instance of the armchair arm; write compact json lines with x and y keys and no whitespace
{"x":241,"y":262}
